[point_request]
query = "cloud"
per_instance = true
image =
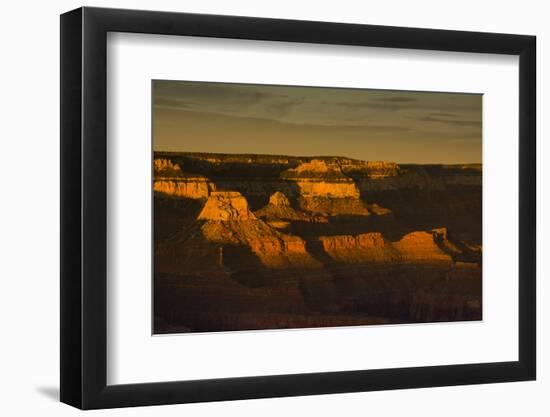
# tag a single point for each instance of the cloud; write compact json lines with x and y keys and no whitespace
{"x":377,"y":105}
{"x":162,"y":102}
{"x":282,"y":107}
{"x":465,"y":123}
{"x":209,"y":91}
{"x":397,"y":99}
{"x":441,"y":114}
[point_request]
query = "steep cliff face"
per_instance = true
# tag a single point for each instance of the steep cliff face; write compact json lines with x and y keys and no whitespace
{"x":226,"y":205}
{"x":188,"y":187}
{"x":228,"y":220}
{"x":372,"y":247}
{"x":325,"y":190}
{"x":363,"y":248}
{"x":420,"y":246}
{"x":321,"y":179}
{"x":301,"y":178}
{"x":169,"y":179}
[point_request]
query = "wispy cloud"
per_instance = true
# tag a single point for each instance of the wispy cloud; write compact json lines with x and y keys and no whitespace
{"x":472,"y":123}
{"x":376,"y":105}
{"x":396,"y":99}
{"x":441,"y":114}
{"x":172,"y":103}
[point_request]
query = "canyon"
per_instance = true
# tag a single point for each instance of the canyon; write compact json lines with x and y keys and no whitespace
{"x":245,"y":242}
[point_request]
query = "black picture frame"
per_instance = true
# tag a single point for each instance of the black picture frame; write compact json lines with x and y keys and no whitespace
{"x":84,"y":207}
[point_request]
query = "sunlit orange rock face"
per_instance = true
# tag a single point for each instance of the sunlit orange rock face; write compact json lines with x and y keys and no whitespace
{"x":169,"y":179}
{"x":325,"y":189}
{"x":226,"y":205}
{"x":371,"y":169}
{"x":420,"y":246}
{"x":321,"y":179}
{"x":189,"y":187}
{"x":372,"y":247}
{"x":366,"y":247}
{"x":278,"y":199}
{"x":163,"y":166}
{"x":230,"y":221}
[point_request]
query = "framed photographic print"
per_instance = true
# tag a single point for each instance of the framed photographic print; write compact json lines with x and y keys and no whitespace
{"x":257,"y":208}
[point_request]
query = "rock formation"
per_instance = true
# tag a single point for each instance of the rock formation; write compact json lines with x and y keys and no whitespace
{"x":226,"y":205}
{"x":378,"y":210}
{"x":372,"y":247}
{"x":188,"y":187}
{"x":163,"y":166}
{"x":169,"y":179}
{"x":279,"y":208}
{"x":363,"y":248}
{"x":278,"y":199}
{"x":370,"y":169}
{"x":228,"y":220}
{"x":321,"y":179}
{"x":420,"y":246}
{"x":324,"y":189}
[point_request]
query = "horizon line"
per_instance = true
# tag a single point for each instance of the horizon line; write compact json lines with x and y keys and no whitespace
{"x":319,"y":156}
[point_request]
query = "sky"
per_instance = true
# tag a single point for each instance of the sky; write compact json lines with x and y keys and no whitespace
{"x":381,"y":125}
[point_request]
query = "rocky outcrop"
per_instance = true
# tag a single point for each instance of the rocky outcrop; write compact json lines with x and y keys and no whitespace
{"x":370,"y":169}
{"x":321,"y":179}
{"x":188,"y":187}
{"x":165,"y":167}
{"x":229,"y":221}
{"x":279,"y":208}
{"x":363,"y":248}
{"x":325,"y":189}
{"x":316,"y":168}
{"x":311,"y":188}
{"x":278,"y":199}
{"x":225,"y":206}
{"x":372,"y":247}
{"x":420,"y":246}
{"x":378,"y":210}
{"x":169,"y":179}
{"x":407,"y":179}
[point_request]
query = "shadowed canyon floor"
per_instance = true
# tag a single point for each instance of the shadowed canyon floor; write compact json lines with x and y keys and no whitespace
{"x":245,"y":242}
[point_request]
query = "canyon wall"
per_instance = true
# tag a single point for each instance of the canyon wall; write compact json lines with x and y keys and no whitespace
{"x":373,"y":247}
{"x":258,"y":176}
{"x":188,"y":187}
{"x":324,"y":189}
{"x":247,"y":242}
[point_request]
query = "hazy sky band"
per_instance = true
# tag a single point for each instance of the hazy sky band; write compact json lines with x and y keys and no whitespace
{"x":400,"y":126}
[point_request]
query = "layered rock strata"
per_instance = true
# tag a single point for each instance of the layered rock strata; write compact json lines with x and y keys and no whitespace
{"x":229,"y":221}
{"x":169,"y":179}
{"x":372,"y":247}
{"x":324,"y":189}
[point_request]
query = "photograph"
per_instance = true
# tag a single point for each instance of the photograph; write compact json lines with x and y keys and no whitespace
{"x":285,"y":207}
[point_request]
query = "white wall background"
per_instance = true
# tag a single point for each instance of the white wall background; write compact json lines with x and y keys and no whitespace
{"x":29,"y":225}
